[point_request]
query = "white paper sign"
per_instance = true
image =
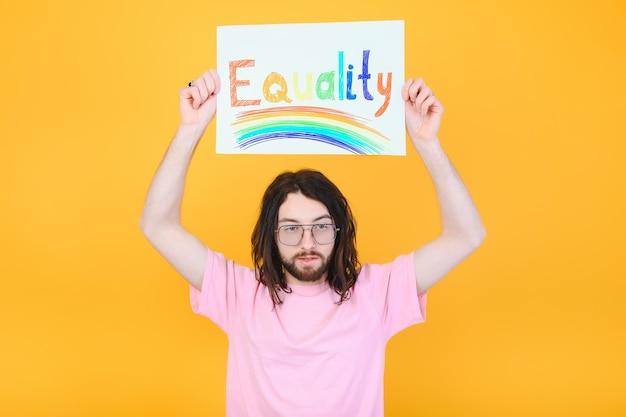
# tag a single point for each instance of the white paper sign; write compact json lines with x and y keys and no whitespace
{"x":314,"y":88}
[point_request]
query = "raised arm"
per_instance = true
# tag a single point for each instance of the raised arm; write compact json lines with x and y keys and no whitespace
{"x":462,"y":230}
{"x":160,"y":219}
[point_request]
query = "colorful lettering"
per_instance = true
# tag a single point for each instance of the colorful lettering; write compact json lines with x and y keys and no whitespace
{"x":308,"y":94}
{"x":279,"y":94}
{"x":234,"y":83}
{"x":329,"y":85}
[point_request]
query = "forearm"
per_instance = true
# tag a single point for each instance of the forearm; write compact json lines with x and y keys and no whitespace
{"x":164,"y":198}
{"x":459,"y":217}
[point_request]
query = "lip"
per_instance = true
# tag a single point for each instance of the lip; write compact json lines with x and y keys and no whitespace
{"x":307,"y":259}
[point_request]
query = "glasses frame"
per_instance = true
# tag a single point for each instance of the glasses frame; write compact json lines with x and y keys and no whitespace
{"x":306,"y":227}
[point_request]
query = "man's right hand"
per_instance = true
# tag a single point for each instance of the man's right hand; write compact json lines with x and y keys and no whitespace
{"x":198,"y":103}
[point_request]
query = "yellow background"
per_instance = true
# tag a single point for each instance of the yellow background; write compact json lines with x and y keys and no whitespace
{"x":93,"y":322}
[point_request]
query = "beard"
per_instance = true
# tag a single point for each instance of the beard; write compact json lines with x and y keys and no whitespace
{"x":308,"y":273}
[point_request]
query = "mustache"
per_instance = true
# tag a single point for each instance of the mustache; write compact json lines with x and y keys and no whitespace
{"x":309,"y":253}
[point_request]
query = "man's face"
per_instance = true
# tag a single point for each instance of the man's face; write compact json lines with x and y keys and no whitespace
{"x":307,"y":262}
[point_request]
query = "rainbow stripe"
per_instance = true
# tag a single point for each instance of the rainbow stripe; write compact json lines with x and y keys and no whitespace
{"x":333,"y":127}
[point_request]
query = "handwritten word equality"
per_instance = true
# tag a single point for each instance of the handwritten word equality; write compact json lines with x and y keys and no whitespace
{"x":328,"y":85}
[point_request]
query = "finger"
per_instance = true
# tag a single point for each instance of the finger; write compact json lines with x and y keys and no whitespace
{"x":415,"y":89}
{"x":185,"y":94}
{"x":203,"y":89}
{"x":196,"y":97}
{"x":215,"y":78}
{"x":436,"y":107}
{"x":432,"y":106}
{"x":427,"y":104}
{"x":422,"y":95}
{"x":212,"y":82}
{"x":405,"y":89}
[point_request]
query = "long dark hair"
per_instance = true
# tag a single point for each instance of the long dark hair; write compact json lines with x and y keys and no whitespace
{"x":343,"y":265}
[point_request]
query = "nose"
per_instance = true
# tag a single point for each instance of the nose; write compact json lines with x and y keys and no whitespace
{"x":307,"y":238}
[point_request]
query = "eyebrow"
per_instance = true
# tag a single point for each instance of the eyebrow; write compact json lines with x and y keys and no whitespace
{"x":288,"y":220}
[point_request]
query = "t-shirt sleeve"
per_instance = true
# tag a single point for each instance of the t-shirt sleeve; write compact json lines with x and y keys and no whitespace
{"x":392,"y":288}
{"x":223,"y":283}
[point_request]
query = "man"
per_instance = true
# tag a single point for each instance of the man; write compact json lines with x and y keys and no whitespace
{"x":308,"y":326}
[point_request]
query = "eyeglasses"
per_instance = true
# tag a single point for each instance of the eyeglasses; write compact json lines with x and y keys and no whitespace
{"x":292,"y":234}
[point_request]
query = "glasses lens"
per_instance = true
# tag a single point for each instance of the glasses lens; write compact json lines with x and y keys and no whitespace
{"x":290,"y":235}
{"x":323,"y":233}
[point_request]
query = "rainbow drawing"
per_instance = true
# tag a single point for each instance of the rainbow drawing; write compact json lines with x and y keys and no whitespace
{"x":333,"y":127}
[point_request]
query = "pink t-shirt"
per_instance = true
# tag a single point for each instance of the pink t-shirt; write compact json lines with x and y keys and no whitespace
{"x":308,"y":356}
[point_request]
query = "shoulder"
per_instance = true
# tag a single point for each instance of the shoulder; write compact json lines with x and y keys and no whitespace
{"x":218,"y":266}
{"x":402,"y":264}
